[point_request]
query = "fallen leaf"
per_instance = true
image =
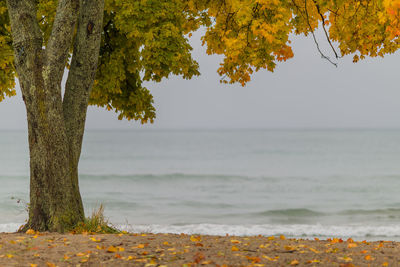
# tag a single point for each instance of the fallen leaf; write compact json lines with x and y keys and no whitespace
{"x":112,"y":249}
{"x":314,"y":261}
{"x":50,"y":264}
{"x":385,"y":263}
{"x":345,"y":258}
{"x":234,"y":248}
{"x":282,"y":237}
{"x":195,"y":238}
{"x":314,"y":250}
{"x":294,"y":262}
{"x":234,"y":241}
{"x":369,"y":258}
{"x":352,"y":245}
{"x":271,"y":238}
{"x":30,"y":232}
{"x":198,"y":257}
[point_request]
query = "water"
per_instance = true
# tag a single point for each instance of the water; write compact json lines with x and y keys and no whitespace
{"x":301,"y":183}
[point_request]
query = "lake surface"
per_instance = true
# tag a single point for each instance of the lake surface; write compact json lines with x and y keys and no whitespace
{"x":301,"y":183}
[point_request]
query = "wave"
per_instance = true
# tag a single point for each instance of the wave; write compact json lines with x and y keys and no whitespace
{"x":389,"y":211}
{"x":290,"y":212}
{"x":358,"y":232}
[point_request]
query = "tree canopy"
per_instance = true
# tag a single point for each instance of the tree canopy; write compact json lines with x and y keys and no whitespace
{"x":148,"y":40}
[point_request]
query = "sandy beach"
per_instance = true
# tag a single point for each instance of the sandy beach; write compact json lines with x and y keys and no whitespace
{"x":49,"y":249}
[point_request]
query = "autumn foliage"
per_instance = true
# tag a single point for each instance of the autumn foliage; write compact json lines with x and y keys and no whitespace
{"x":148,"y":40}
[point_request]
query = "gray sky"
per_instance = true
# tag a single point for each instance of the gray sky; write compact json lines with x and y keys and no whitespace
{"x":304,"y":92}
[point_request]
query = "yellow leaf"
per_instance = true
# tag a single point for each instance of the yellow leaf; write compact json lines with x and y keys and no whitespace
{"x":314,"y":261}
{"x":30,"y":232}
{"x":314,"y":250}
{"x":95,"y":240}
{"x":112,"y":249}
{"x":294,"y":262}
{"x":166,"y":243}
{"x":385,"y":263}
{"x":352,"y":245}
{"x":282,"y":237}
{"x":345,"y":258}
{"x":10,"y":255}
{"x":234,"y":248}
{"x":120,"y":249}
{"x":269,"y":258}
{"x":195,"y":238}
{"x":206,"y":262}
{"x":234,"y":241}
{"x":271,"y":238}
{"x":50,"y":264}
{"x":80,"y":254}
{"x":33,"y":265}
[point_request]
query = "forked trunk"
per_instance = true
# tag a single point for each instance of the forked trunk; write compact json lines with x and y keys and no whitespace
{"x":55,"y":125}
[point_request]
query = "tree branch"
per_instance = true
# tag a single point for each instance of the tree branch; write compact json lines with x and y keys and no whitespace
{"x":315,"y":39}
{"x":27,"y":42}
{"x":60,"y":42}
{"x":82,"y":72}
{"x":323,"y":26}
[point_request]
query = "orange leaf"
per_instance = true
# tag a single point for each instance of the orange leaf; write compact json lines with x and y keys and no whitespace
{"x":294,"y":262}
{"x":368,"y":258}
{"x":234,"y":248}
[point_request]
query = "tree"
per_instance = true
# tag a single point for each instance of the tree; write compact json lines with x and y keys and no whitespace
{"x":111,"y":47}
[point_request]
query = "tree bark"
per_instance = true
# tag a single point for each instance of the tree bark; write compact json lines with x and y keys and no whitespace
{"x":55,"y":129}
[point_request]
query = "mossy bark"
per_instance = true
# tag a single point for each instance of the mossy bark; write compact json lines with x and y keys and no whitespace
{"x":55,"y":124}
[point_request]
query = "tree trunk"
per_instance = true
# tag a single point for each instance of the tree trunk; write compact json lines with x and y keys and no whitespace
{"x":55,"y":125}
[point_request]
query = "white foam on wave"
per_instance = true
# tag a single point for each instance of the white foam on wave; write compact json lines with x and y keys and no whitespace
{"x":389,"y":232}
{"x":370,"y":232}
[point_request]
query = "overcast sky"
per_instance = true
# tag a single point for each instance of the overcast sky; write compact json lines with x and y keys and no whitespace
{"x":304,"y":92}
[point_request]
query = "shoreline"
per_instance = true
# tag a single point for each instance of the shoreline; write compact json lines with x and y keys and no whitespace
{"x":50,"y":249}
